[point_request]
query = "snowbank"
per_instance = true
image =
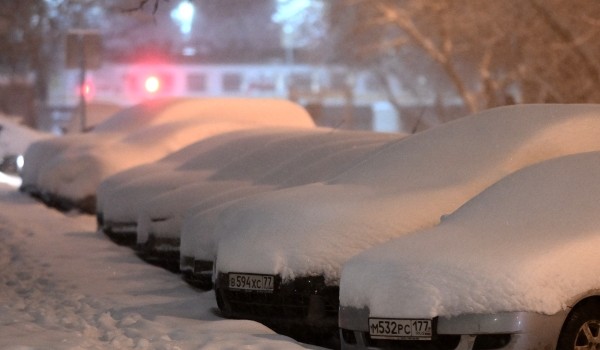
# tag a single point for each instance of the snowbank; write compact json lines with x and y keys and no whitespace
{"x":406,"y":186}
{"x":64,"y":286}
{"x":524,"y":244}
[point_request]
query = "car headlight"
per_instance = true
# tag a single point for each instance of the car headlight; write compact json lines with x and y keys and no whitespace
{"x":20,"y":161}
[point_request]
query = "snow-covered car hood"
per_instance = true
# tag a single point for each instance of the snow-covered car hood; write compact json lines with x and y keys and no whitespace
{"x":527,"y":243}
{"x":405,"y":186}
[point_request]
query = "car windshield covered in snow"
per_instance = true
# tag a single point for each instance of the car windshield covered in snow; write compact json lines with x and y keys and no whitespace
{"x":520,"y":251}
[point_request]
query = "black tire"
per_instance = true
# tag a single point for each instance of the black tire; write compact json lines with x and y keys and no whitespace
{"x":582,"y":327}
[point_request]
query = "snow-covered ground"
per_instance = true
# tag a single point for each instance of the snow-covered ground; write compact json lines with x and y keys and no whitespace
{"x":65,"y":286}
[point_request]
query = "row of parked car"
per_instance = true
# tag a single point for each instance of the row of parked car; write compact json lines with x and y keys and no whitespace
{"x":475,"y":234}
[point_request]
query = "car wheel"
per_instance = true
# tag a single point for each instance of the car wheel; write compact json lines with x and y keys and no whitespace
{"x":582,"y":328}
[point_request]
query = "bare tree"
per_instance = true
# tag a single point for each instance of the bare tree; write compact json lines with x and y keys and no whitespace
{"x":32,"y":33}
{"x":559,"y":62}
{"x":488,"y":53}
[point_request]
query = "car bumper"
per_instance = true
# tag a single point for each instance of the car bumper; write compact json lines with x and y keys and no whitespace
{"x":161,"y":251}
{"x":197,"y":273}
{"x":304,"y":305}
{"x":507,"y":331}
{"x":123,"y":233}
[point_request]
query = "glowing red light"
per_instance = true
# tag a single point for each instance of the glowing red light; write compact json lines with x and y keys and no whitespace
{"x":87,"y":90}
{"x":152,"y":84}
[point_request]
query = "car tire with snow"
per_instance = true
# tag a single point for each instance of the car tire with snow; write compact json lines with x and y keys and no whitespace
{"x":582,"y":328}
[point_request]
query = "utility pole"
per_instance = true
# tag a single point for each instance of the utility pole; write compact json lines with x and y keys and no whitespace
{"x":84,"y":48}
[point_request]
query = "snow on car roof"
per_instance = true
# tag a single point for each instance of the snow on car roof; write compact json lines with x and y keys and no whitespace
{"x":204,"y":154}
{"x":76,"y":172}
{"x":253,"y":173}
{"x":258,"y":164}
{"x":262,"y":111}
{"x":527,"y":243}
{"x":406,"y":186}
{"x":146,"y":133}
{"x":197,"y":164}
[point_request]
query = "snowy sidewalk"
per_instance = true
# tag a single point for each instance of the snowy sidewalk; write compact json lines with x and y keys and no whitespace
{"x":65,"y":286}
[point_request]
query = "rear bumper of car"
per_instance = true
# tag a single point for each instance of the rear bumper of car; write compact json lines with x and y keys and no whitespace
{"x":506,"y":331}
{"x":302,"y":307}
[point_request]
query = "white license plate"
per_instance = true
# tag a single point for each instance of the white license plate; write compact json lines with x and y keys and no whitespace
{"x":247,"y":281}
{"x":401,"y":329}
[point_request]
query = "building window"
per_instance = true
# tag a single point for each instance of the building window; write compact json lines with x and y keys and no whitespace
{"x":300,"y":81}
{"x":196,"y":82}
{"x":232,"y":82}
{"x":338,"y":81}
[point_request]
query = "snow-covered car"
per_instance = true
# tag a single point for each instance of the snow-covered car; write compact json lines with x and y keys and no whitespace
{"x":198,"y":239}
{"x":279,"y":255}
{"x":268,"y":168}
{"x":120,"y":196}
{"x":66,"y":171}
{"x":510,"y":269}
{"x":280,"y":164}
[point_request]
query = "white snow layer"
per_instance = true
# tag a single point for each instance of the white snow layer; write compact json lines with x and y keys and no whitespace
{"x":406,"y":186}
{"x":316,"y":164}
{"x":74,"y":165}
{"x":527,"y":243}
{"x":65,"y":286}
{"x":264,"y":169}
{"x":126,"y":191}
